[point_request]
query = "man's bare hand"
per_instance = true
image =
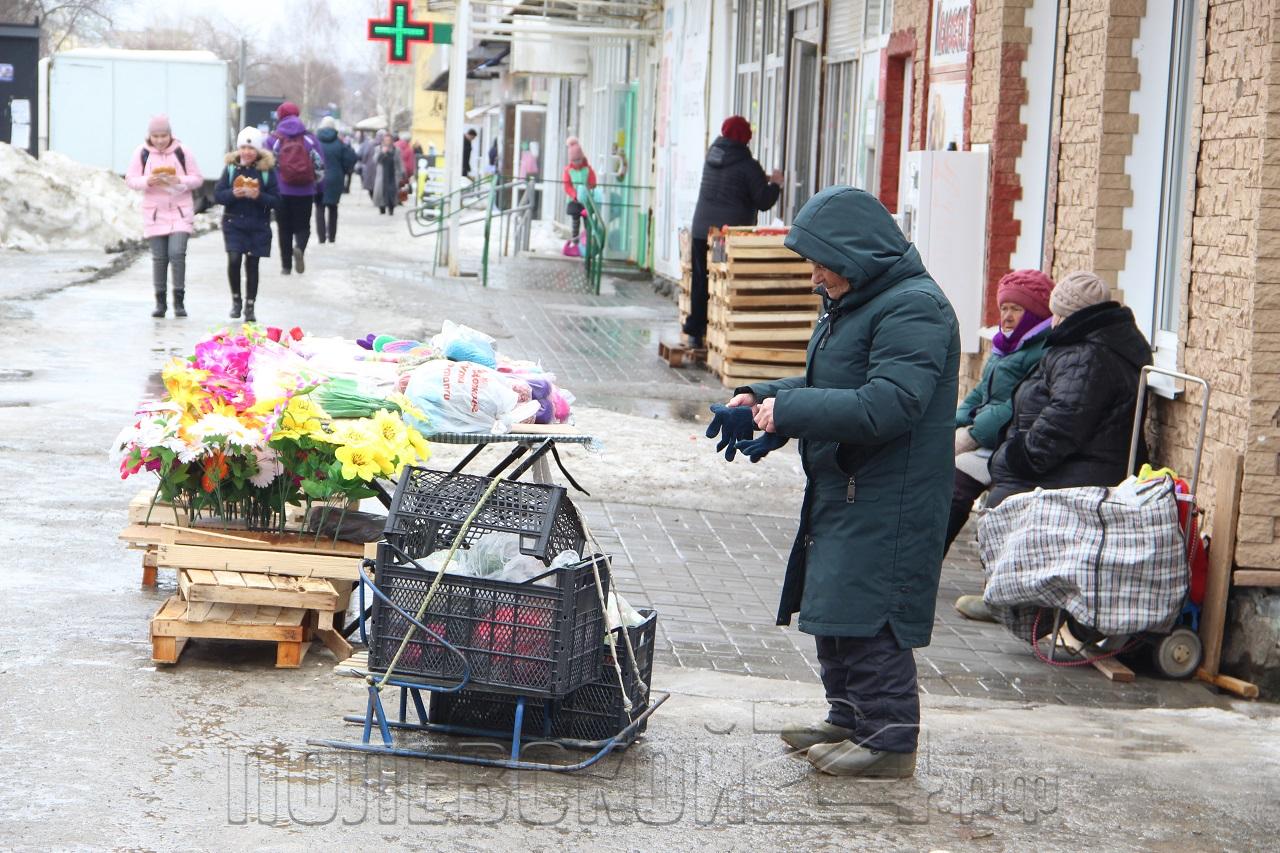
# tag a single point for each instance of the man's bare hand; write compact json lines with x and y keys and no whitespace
{"x":747,"y":399}
{"x":764,"y":416}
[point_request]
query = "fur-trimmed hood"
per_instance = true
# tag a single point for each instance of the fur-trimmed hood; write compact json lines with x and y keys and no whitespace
{"x":266,"y":160}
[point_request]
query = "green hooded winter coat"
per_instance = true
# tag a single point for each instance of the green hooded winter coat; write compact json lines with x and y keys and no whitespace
{"x":875,"y":414}
{"x":989,"y":406}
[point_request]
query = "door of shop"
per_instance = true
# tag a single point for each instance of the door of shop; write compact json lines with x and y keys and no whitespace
{"x":802,"y":144}
{"x":531,"y":128}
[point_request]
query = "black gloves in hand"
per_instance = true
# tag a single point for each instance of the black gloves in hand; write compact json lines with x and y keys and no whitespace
{"x":732,"y":424}
{"x":756,"y":449}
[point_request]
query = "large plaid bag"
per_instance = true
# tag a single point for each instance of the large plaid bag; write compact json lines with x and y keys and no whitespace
{"x":1113,"y":558}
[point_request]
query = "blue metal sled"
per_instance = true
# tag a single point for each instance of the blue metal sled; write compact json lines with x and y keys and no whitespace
{"x":411,"y":690}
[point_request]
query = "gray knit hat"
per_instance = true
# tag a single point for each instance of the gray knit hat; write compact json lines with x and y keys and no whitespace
{"x":1078,"y":290}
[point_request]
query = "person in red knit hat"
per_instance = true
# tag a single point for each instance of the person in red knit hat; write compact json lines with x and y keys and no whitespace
{"x":1025,"y":321}
{"x":733,"y":192}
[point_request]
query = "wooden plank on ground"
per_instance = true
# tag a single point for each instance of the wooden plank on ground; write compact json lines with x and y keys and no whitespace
{"x":1256,"y":577}
{"x":1238,"y":686}
{"x":744,"y":335}
{"x":768,"y":300}
{"x":739,"y":269}
{"x":1111,"y":667}
{"x":722,"y":284}
{"x":252,"y":560}
{"x":1228,"y":471}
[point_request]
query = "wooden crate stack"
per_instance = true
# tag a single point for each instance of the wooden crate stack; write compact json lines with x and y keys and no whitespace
{"x":684,"y":299}
{"x":249,"y":585}
{"x":232,"y":584}
{"x":762,"y":308}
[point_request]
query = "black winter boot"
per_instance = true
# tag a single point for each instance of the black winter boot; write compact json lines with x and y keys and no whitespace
{"x":249,"y":316}
{"x":161,"y":304}
{"x":179,"y":310}
{"x":236,"y":306}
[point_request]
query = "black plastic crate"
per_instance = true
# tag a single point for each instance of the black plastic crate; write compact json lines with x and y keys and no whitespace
{"x":525,"y":638}
{"x":593,"y":712}
{"x":430,"y":506}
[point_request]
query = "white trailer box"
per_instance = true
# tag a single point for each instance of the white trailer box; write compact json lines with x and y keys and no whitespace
{"x":99,"y":102}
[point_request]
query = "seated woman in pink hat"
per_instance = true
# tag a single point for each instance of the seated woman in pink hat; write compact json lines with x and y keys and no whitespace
{"x":1025,"y":320}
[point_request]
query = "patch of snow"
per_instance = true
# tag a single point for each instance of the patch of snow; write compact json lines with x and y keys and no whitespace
{"x":56,"y":203}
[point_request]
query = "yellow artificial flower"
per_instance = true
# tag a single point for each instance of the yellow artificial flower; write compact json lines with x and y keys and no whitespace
{"x":183,"y":384}
{"x":302,"y":414}
{"x":407,"y":407}
{"x":389,"y":428}
{"x":358,"y":462}
{"x":419,"y":445}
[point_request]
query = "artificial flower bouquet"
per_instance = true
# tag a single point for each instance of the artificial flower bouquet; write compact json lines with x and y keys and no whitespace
{"x":244,"y":431}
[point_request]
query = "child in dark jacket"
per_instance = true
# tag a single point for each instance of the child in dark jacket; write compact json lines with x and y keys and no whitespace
{"x":248,"y":189}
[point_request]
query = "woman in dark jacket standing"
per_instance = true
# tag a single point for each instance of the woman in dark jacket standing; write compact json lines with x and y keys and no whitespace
{"x":734,"y":190}
{"x":1073,"y":417}
{"x":875,"y":414}
{"x":339,"y":161}
{"x":247,"y":190}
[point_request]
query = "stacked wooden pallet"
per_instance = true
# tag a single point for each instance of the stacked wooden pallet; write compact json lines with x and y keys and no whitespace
{"x":684,"y":299}
{"x":249,"y":585}
{"x":762,"y":308}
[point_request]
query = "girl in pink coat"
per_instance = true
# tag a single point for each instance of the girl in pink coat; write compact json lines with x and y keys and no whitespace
{"x":166,"y":173}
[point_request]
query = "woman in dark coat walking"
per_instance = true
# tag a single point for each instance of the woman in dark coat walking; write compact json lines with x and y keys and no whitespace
{"x":1073,"y":416}
{"x":339,"y":161}
{"x":733,"y":192}
{"x":875,"y":413}
{"x":388,"y":172}
{"x":247,"y":190}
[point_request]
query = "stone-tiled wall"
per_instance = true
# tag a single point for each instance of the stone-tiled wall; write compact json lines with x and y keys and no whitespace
{"x":1236,"y":283}
{"x":1230,"y":247}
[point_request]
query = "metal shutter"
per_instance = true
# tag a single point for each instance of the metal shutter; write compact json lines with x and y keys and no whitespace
{"x":844,"y":29}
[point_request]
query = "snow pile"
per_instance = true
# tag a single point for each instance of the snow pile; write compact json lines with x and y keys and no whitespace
{"x":56,"y":203}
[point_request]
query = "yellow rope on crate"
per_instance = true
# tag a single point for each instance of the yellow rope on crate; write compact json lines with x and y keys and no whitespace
{"x":626,"y":634}
{"x":435,"y":584}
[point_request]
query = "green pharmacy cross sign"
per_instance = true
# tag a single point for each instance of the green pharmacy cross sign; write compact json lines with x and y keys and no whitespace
{"x":401,"y":32}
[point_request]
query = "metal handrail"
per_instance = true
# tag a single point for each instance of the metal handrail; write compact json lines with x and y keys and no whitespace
{"x":1140,"y":409}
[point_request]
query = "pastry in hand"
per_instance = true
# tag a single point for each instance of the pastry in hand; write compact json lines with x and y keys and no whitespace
{"x":164,"y":170}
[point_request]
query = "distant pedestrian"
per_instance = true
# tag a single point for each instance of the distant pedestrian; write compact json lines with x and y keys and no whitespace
{"x":300,"y":169}
{"x":432,"y":156}
{"x":579,"y":179}
{"x":368,"y":174}
{"x":406,"y":152}
{"x":733,"y":192}
{"x":388,"y":173}
{"x":339,"y":161}
{"x":467,"y":139}
{"x":247,"y":190}
{"x":166,"y":173}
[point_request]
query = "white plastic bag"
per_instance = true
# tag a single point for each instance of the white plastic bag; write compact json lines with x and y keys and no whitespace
{"x":465,"y":397}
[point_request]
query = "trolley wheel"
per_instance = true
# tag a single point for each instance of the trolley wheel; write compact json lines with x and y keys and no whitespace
{"x":1178,"y":655}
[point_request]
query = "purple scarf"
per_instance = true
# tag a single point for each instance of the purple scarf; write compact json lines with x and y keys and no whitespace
{"x":1028,"y":327}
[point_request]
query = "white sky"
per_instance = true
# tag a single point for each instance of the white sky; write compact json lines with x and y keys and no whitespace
{"x":260,"y":17}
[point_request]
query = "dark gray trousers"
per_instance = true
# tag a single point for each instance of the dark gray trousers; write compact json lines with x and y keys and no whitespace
{"x":871,"y":685}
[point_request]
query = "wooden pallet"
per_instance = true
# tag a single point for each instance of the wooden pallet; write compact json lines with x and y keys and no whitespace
{"x":293,"y":555}
{"x":790,"y":268}
{"x":177,"y":622}
{"x":223,"y":587}
{"x":678,"y":355}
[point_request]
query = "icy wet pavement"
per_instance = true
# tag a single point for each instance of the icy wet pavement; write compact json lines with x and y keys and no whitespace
{"x":103,"y":749}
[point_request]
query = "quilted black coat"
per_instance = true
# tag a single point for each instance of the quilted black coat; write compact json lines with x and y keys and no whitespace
{"x":1073,"y":416}
{"x":734,"y":188}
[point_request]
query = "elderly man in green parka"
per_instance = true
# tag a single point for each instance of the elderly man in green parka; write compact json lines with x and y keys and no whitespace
{"x":874,"y":414}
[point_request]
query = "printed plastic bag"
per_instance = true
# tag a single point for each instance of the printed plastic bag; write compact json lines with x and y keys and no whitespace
{"x":465,"y":397}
